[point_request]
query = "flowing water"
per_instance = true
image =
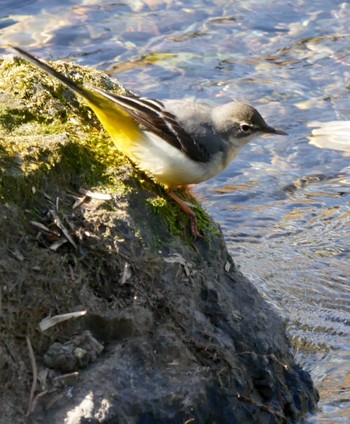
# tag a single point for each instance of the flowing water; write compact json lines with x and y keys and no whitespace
{"x":284,"y":203}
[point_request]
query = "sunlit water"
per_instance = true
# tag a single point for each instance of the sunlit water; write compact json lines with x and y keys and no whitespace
{"x":284,"y":203}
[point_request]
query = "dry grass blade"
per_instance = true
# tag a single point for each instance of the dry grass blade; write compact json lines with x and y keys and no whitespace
{"x":43,"y":228}
{"x":35,"y":376}
{"x":52,"y":321}
{"x":96,"y":195}
{"x":62,"y":227}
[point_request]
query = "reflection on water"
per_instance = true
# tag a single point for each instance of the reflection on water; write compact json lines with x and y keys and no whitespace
{"x":284,"y":204}
{"x":295,"y":245}
{"x":331,"y":135}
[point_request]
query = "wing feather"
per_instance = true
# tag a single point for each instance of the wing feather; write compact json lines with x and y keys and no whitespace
{"x":153,"y":115}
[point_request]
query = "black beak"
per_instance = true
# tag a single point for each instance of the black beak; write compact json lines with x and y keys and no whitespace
{"x":270,"y":130}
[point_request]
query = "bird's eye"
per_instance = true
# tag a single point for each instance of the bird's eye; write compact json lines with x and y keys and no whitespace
{"x":245,"y":127}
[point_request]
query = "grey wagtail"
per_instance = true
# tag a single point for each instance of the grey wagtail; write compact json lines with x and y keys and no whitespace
{"x":176,"y":142}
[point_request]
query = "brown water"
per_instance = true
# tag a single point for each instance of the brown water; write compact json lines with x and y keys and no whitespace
{"x":284,"y":203}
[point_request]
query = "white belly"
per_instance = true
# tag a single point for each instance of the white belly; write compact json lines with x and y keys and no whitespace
{"x":170,"y":166}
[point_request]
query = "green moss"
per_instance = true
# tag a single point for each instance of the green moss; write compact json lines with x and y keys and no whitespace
{"x":177,"y":221}
{"x":12,"y":118}
{"x":157,"y":203}
{"x":205,"y":223}
{"x":47,"y":138}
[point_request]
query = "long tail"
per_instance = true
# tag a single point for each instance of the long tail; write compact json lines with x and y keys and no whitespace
{"x":64,"y":80}
{"x":119,"y":124}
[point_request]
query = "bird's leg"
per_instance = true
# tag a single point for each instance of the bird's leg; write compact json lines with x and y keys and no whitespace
{"x":188,"y":211}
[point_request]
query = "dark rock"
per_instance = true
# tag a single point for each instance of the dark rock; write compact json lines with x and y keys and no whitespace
{"x":80,"y":351}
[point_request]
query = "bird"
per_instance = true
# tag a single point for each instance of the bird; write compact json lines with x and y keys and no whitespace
{"x":177,"y":142}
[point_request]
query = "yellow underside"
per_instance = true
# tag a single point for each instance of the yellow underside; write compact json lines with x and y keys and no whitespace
{"x":123,"y":129}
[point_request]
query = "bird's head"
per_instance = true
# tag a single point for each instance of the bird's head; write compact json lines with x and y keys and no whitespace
{"x":241,"y":122}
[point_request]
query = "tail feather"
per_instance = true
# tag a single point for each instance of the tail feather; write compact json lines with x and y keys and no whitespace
{"x":45,"y":67}
{"x":122,"y":128}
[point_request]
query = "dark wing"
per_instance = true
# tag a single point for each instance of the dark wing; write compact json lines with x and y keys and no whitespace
{"x":153,"y":115}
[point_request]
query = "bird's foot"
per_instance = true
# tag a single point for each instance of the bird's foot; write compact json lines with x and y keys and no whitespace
{"x":188,"y":211}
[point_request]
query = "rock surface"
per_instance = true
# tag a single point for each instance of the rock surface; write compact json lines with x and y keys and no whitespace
{"x":186,"y":338}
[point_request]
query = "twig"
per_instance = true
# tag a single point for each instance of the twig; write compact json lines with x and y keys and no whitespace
{"x":61,"y":226}
{"x":35,"y":376}
{"x":62,"y":377}
{"x":37,"y":397}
